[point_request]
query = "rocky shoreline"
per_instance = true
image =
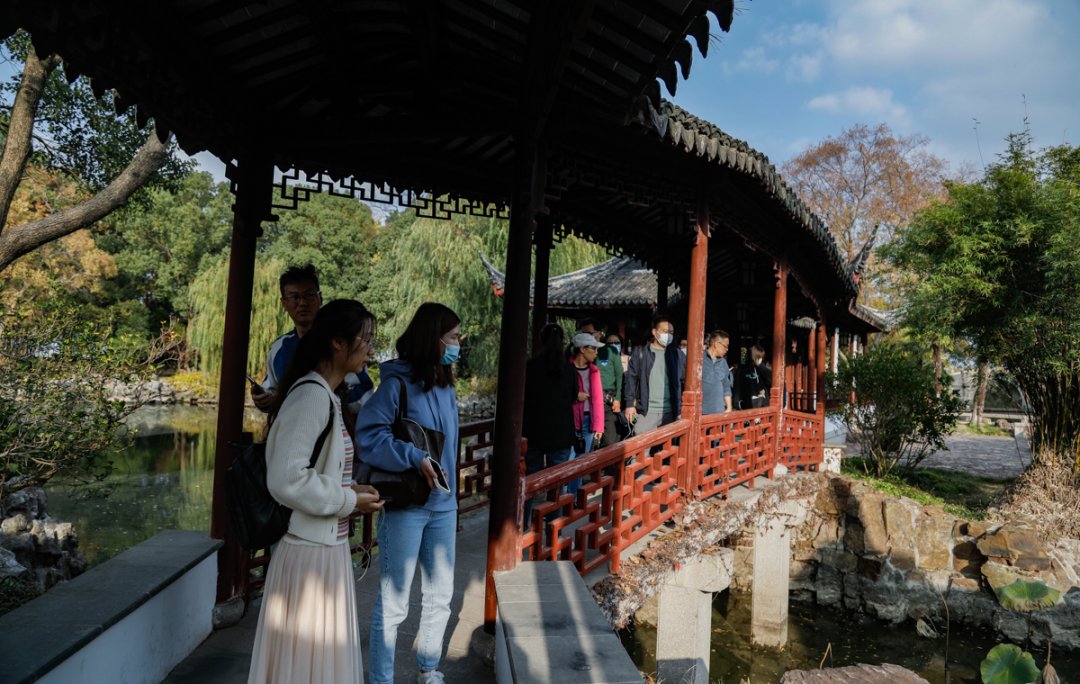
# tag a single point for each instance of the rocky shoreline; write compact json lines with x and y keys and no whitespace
{"x":159,"y":391}
{"x":34,"y":548}
{"x":896,"y":560}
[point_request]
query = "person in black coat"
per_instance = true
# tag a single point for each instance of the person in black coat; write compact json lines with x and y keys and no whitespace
{"x":753,"y":380}
{"x":550,"y":392}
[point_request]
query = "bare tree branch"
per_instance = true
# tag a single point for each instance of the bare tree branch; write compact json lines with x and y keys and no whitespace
{"x":21,"y":126}
{"x":23,"y":239}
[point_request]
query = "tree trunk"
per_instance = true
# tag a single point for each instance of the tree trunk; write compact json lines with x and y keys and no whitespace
{"x":982,"y":379}
{"x":21,"y":127}
{"x":938,"y":368}
{"x":23,"y":239}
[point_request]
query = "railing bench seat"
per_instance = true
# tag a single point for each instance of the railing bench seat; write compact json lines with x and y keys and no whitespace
{"x":549,"y":629}
{"x":130,"y":619}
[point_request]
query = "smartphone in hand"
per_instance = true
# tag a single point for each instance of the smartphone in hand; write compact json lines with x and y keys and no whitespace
{"x":440,"y":476}
{"x":256,"y":387}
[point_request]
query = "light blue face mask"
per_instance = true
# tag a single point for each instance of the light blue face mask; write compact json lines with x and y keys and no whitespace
{"x":451,"y":354}
{"x":616,"y":347}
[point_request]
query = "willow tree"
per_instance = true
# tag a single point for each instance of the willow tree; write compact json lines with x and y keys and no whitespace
{"x":999,"y":264}
{"x":206,"y":330}
{"x":419,"y":260}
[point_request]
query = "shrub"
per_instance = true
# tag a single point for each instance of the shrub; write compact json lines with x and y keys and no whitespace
{"x":896,"y":418}
{"x":55,"y":413}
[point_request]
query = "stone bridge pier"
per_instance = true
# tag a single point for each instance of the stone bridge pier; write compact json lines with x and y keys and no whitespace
{"x":772,"y":568}
{"x":684,"y":616}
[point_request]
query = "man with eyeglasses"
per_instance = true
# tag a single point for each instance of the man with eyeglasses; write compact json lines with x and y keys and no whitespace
{"x":715,"y":374}
{"x":301,"y":299}
{"x":653,"y":384}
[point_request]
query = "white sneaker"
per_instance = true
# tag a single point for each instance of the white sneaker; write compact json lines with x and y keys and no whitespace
{"x":433,"y":677}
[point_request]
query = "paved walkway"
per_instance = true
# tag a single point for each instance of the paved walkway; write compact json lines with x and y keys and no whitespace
{"x":999,"y":458}
{"x":224,"y":657}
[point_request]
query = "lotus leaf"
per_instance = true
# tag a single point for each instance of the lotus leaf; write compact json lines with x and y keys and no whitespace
{"x":1007,"y":664}
{"x":1025,"y":597}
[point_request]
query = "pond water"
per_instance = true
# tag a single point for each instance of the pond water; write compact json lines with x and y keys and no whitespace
{"x":163,"y":481}
{"x":850,"y":638}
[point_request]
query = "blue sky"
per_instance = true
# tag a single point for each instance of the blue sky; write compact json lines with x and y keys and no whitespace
{"x":793,"y":72}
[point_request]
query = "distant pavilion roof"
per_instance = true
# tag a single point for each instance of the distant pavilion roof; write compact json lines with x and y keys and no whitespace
{"x":619,"y":283}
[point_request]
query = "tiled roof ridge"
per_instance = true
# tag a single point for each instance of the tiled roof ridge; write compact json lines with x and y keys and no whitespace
{"x":703,"y":138}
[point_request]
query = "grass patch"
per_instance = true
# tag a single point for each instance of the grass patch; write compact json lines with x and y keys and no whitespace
{"x":960,"y":494}
{"x":984,"y":430}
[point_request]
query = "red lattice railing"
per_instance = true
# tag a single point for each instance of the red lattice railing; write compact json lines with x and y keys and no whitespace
{"x":627,"y":490}
{"x":735,"y":448}
{"x":474,"y":464}
{"x":803,"y":440}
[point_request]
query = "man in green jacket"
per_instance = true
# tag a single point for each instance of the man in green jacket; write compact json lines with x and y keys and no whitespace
{"x":609,"y":361}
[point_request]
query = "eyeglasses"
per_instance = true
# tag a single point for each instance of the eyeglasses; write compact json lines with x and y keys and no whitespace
{"x":366,"y":340}
{"x":295,"y":297}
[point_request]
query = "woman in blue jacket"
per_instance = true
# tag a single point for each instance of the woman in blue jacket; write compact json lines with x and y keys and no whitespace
{"x":424,"y":535}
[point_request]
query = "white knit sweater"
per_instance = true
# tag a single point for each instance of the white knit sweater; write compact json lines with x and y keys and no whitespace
{"x":315,"y":494}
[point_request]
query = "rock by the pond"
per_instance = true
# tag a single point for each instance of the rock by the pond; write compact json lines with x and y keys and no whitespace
{"x":46,"y":550}
{"x":854,"y":674}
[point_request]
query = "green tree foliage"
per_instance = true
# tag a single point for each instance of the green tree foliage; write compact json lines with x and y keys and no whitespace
{"x":419,"y":260}
{"x":998,"y":263}
{"x":335,"y":234}
{"x":55,"y":415}
{"x":897,"y":418}
{"x":159,"y":248}
{"x":206,"y":329}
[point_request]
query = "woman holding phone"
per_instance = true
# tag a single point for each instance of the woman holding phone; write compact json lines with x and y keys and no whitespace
{"x":308,"y":628}
{"x":417,"y":535}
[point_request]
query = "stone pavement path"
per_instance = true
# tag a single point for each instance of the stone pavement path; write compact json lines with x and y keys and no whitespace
{"x":225,"y":656}
{"x":999,"y":458}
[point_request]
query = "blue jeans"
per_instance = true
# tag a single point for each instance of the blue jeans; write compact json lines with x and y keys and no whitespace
{"x":407,"y":537}
{"x":585,"y":434}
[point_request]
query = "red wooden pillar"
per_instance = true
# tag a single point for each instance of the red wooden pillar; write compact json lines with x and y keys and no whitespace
{"x":822,"y":366}
{"x":691,"y":398}
{"x":540,"y":284}
{"x":810,"y":386}
{"x":252,"y":206}
{"x":779,"y":352}
{"x":506,"y":485}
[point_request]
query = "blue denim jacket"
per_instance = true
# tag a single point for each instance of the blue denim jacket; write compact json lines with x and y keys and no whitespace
{"x":715,"y":384}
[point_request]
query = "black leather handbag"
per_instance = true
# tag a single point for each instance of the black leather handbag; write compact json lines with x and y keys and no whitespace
{"x":408,"y":487}
{"x":258,"y":520}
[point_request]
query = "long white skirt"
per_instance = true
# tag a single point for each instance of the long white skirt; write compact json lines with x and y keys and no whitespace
{"x":308,"y":629}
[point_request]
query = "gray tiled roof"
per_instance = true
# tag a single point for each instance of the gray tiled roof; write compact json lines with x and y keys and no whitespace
{"x":621,"y":282}
{"x":705,"y":140}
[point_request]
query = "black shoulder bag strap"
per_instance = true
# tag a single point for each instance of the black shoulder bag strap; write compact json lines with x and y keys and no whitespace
{"x":326,"y":430}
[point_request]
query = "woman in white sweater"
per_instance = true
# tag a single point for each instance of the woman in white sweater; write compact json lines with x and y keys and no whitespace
{"x":308,"y":629}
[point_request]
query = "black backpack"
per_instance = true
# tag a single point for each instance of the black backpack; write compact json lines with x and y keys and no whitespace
{"x":259,"y":521}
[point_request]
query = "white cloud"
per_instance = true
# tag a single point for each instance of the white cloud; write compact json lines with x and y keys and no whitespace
{"x":805,"y":68}
{"x":869,"y":103}
{"x":754,"y":60}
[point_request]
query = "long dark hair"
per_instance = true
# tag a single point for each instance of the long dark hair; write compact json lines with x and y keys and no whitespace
{"x":551,"y":348}
{"x":341,"y":319}
{"x":419,"y":345}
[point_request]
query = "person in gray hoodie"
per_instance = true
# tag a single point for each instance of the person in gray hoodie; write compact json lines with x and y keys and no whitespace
{"x":417,"y":535}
